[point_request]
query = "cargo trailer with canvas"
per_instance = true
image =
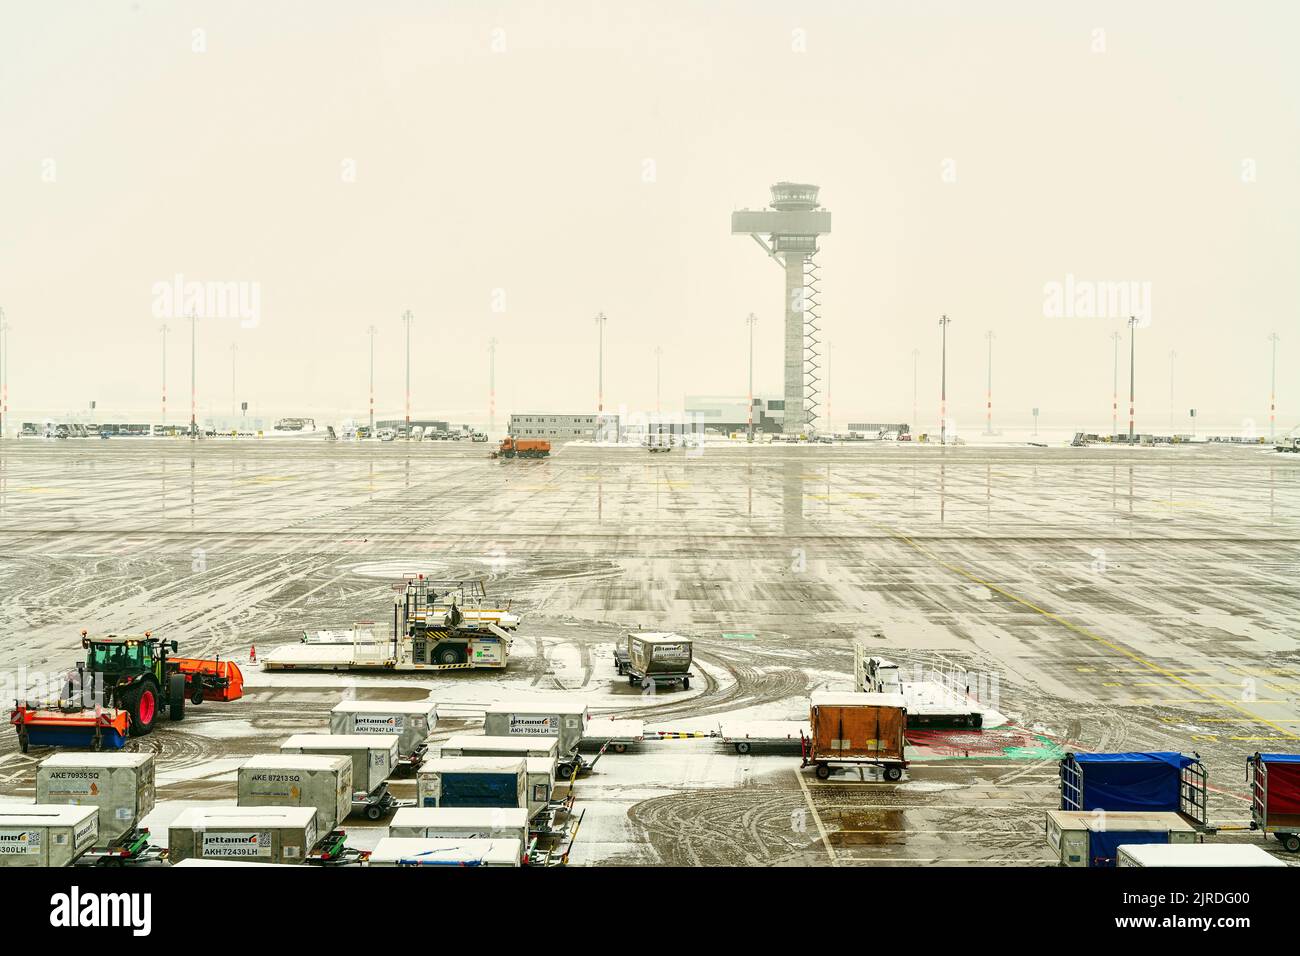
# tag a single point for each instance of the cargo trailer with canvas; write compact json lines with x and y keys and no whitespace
{"x":119,"y":785}
{"x":482,"y":745}
{"x":321,"y":781}
{"x":374,"y":759}
{"x":1091,"y":838}
{"x":657,"y":658}
{"x":411,"y":720}
{"x":473,"y":782}
{"x":565,"y":719}
{"x":254,"y":834}
{"x":1154,"y":782}
{"x":1195,"y":854}
{"x":1274,"y":782}
{"x":856,"y":729}
{"x":407,"y":851}
{"x":46,"y":834}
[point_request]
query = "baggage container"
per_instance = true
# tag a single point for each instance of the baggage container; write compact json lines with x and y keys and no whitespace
{"x":480,"y":745}
{"x":473,"y":782}
{"x":411,"y":720}
{"x":374,"y":756}
{"x":658,"y":657}
{"x":120,"y":785}
{"x":1157,"y":782}
{"x":1093,"y":837}
{"x":255,"y":834}
{"x":321,"y":781}
{"x":470,"y":823}
{"x":1195,"y":854}
{"x":399,"y":851}
{"x":849,"y":728}
{"x":563,"y":718}
{"x":541,"y":783}
{"x":1274,"y":781}
{"x":46,"y":835}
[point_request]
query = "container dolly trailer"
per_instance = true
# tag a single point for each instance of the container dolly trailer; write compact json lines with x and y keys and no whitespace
{"x":1154,"y":782}
{"x":856,"y":729}
{"x":1274,"y":781}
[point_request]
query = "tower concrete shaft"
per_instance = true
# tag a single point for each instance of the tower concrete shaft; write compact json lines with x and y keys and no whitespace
{"x":792,"y":226}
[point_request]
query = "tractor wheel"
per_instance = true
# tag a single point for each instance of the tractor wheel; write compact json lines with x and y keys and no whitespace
{"x":142,"y":707}
{"x":176,"y":697}
{"x":449,"y":654}
{"x":893,"y":773}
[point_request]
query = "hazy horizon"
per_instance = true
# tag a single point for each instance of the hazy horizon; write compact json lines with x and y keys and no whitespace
{"x":507,"y":171}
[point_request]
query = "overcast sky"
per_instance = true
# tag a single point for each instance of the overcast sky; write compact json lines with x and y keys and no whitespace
{"x":510,"y":169}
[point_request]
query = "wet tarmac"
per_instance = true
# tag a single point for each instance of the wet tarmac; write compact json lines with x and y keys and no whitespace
{"x":1109,"y":598}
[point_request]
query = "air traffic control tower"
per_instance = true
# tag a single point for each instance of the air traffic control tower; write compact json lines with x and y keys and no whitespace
{"x":792,"y":226}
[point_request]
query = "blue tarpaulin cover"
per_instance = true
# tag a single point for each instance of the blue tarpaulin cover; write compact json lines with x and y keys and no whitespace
{"x":1280,"y":758}
{"x":1103,"y":845}
{"x":1131,"y":781}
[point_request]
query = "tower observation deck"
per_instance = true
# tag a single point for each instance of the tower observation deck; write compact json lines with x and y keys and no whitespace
{"x":788,"y":232}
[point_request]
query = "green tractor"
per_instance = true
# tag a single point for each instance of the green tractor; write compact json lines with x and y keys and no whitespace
{"x":135,"y":677}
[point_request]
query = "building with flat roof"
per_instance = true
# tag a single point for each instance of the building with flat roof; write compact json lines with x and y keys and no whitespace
{"x":586,"y":427}
{"x":724,"y":414}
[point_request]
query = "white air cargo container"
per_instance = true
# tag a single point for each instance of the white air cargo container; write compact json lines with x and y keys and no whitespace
{"x":1195,"y":854}
{"x":255,"y":834}
{"x":1091,"y":837}
{"x":541,"y":783}
{"x":411,"y":720}
{"x":470,"y":823}
{"x":473,"y":782}
{"x":120,"y":785}
{"x":397,"y":851}
{"x":374,"y":756}
{"x":481,"y":745}
{"x":564,"y":718}
{"x":45,"y":834}
{"x":323,"y":781}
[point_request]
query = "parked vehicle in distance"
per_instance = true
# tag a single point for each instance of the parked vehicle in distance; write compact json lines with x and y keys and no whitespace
{"x":523,"y":448}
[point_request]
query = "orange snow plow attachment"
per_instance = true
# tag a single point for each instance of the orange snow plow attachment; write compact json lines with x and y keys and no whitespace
{"x":103,"y":729}
{"x":220,"y":680}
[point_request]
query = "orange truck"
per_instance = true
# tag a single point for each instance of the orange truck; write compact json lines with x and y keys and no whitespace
{"x":854,"y":728}
{"x":523,"y":448}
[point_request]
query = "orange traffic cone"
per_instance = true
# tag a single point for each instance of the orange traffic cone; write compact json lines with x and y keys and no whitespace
{"x":252,"y":654}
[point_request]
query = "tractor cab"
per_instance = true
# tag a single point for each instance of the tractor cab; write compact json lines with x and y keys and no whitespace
{"x":133,"y":672}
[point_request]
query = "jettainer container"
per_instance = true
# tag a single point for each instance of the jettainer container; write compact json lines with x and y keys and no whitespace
{"x":1195,"y":854}
{"x":255,"y":834}
{"x":662,"y":658}
{"x":411,"y":720}
{"x":506,"y":823}
{"x":473,"y":782}
{"x":480,"y":745}
{"x":322,"y":781}
{"x":374,"y":756}
{"x":1093,"y":837}
{"x":856,"y":728}
{"x":120,"y":785}
{"x":563,"y":718}
{"x":541,"y":783}
{"x":1275,"y":796}
{"x":46,"y":835}
{"x":399,"y":851}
